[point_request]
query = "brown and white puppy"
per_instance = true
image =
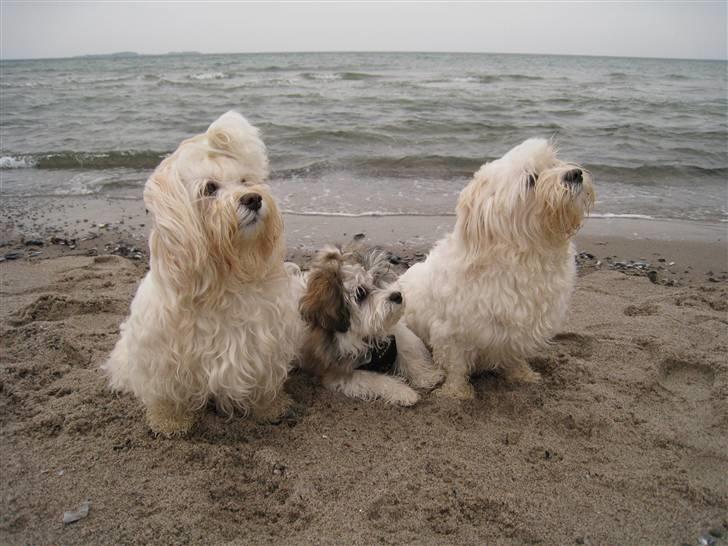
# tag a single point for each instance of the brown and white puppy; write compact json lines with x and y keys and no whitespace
{"x":352,"y":308}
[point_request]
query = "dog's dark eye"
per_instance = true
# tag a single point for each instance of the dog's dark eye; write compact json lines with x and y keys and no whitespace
{"x":532,"y":180}
{"x":243,"y":181}
{"x":210,"y":189}
{"x":361,"y":294}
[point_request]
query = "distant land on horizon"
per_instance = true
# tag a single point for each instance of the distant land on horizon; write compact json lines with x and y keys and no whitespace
{"x":134,"y":54}
{"x":125,"y":54}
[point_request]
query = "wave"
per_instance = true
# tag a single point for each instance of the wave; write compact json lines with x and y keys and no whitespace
{"x":427,"y":166}
{"x":208,"y":76}
{"x":658,"y":172}
{"x":331,"y":76}
{"x":366,"y":214}
{"x":617,"y":215}
{"x":132,"y":159}
{"x":11,"y":162}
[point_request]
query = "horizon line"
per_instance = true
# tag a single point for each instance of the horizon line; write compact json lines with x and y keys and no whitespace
{"x":132,"y":54}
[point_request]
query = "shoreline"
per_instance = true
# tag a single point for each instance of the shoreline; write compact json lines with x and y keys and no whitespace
{"x":678,"y":251}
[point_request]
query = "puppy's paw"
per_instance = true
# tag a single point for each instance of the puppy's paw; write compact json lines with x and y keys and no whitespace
{"x":405,"y":396}
{"x":458,"y":392}
{"x":169,"y":420}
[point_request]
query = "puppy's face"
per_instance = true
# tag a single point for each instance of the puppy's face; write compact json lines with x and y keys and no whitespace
{"x":528,"y":197}
{"x":210,"y":206}
{"x":351,"y":295}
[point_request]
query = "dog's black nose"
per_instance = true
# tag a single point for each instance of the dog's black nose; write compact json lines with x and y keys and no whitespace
{"x":396,"y":297}
{"x":252,"y":201}
{"x":573,"y":176}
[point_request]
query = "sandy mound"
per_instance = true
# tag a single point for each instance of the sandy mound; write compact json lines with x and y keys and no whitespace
{"x":625,"y":442}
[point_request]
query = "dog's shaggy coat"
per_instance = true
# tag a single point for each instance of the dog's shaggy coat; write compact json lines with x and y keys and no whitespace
{"x":214,"y":318}
{"x":491,"y":293}
{"x":351,"y":304}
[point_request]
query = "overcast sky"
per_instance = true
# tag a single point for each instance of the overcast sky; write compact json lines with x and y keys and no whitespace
{"x":640,"y":29}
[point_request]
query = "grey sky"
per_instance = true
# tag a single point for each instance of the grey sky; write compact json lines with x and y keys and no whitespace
{"x":648,"y":29}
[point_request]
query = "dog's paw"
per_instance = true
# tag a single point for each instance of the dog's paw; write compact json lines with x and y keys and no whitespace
{"x":165,"y":419}
{"x":428,"y":380}
{"x":458,"y":392}
{"x":405,"y":397}
{"x":276,"y":411}
{"x":521,"y":374}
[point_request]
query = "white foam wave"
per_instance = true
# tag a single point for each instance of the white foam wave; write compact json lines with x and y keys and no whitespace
{"x":326,"y":76}
{"x":614,"y":215}
{"x":370,"y":213}
{"x":10,"y":162}
{"x":208,"y":76}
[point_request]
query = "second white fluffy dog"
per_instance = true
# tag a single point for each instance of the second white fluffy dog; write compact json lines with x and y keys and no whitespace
{"x":491,"y":293}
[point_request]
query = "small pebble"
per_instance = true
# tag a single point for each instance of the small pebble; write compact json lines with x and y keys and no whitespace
{"x":12,"y":255}
{"x":706,"y":540}
{"x":717,"y":532}
{"x":652,"y":275}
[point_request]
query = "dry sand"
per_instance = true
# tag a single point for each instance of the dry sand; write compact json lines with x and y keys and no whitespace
{"x":625,"y":442}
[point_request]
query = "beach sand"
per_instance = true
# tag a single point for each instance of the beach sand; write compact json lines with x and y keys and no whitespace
{"x":624,"y":442}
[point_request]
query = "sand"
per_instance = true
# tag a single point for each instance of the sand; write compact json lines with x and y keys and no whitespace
{"x":624,"y":442}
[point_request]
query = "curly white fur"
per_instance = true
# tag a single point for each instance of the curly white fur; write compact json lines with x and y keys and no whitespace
{"x":491,"y":293}
{"x":214,"y":318}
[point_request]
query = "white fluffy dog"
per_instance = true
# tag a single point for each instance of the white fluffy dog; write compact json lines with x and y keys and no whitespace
{"x":352,"y":308}
{"x":491,"y":293}
{"x":214,"y":318}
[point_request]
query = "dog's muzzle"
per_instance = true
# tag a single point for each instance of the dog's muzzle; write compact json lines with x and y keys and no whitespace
{"x":395,"y":297}
{"x":251,"y":201}
{"x":250,"y":208}
{"x":573,"y":179}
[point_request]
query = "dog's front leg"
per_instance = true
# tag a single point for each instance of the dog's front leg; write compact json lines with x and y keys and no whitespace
{"x":413,"y":359}
{"x":370,"y":386}
{"x":169,"y":418}
{"x":271,"y":408}
{"x":457,"y":369}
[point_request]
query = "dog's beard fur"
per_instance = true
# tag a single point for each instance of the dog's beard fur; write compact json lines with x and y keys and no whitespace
{"x":522,"y":202}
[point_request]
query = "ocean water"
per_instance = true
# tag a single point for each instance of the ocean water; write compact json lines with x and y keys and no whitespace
{"x":375,"y":133}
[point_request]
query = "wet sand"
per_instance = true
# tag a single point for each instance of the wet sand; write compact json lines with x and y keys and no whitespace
{"x":624,"y":442}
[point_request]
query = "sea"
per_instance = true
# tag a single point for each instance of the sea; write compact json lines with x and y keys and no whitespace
{"x":374,"y":134}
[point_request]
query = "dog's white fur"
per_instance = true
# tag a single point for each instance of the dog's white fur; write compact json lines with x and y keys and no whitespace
{"x":491,"y":293}
{"x":213,"y":319}
{"x":351,"y":303}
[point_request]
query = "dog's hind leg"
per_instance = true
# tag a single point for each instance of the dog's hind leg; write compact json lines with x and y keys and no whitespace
{"x":413,"y":359}
{"x":518,"y":371}
{"x":370,"y":386}
{"x":169,"y":419}
{"x":457,"y":368}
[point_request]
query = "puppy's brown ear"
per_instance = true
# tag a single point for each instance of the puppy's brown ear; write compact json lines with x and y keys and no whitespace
{"x":323,"y":304}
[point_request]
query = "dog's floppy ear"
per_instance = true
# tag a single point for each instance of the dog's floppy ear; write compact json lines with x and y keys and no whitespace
{"x":324,"y":304}
{"x":472,"y":213}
